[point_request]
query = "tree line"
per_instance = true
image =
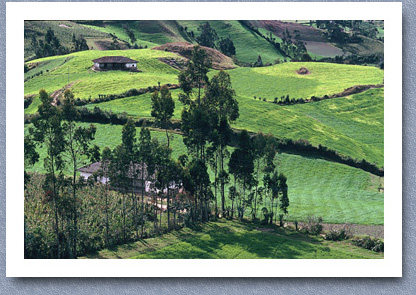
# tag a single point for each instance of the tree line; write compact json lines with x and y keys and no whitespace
{"x":153,"y":187}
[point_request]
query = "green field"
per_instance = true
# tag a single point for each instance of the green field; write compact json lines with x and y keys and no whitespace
{"x":147,"y":33}
{"x":282,"y":79}
{"x":236,"y":240}
{"x":353,"y":126}
{"x":338,"y":193}
{"x":91,"y":83}
{"x":248,"y":44}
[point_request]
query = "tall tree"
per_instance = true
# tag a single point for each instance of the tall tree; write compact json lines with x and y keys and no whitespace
{"x":195,"y":75}
{"x":80,"y":150}
{"x":146,"y":164}
{"x":242,"y":167}
{"x":208,"y":35}
{"x":220,"y":98}
{"x":264,"y":147}
{"x":163,"y":107}
{"x":48,"y":131}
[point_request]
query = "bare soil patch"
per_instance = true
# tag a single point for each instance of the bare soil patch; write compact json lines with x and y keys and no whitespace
{"x":219,"y":61}
{"x":324,"y":49}
{"x":306,"y":33}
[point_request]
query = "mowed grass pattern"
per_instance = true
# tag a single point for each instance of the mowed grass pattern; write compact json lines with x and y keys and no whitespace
{"x":236,"y":240}
{"x":338,"y":193}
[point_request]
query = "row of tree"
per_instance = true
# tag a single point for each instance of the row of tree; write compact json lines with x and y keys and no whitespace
{"x":143,"y":171}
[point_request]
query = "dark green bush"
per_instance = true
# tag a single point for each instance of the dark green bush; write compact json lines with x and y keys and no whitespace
{"x":369,"y":243}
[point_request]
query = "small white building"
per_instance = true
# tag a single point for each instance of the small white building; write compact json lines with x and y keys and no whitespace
{"x":106,"y":63}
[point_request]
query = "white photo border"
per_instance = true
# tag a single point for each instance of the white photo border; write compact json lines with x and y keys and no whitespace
{"x":390,"y":266}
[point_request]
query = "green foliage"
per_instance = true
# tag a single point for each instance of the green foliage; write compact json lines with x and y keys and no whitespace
{"x":226,"y":46}
{"x":208,"y":36}
{"x":313,"y":225}
{"x":369,"y":243}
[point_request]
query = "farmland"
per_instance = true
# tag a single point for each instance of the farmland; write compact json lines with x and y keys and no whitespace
{"x":338,"y":193}
{"x":314,"y":127}
{"x":235,"y":240}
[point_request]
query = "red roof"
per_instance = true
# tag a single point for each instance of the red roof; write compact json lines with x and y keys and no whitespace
{"x":114,"y":59}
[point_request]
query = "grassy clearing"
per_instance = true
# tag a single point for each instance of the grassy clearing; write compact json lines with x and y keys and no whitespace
{"x":91,"y":83}
{"x":338,"y":193}
{"x":236,"y":240}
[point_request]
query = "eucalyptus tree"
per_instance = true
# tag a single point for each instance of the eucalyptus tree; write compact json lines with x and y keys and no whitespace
{"x":48,"y":131}
{"x":79,"y":149}
{"x":242,"y":167}
{"x":264,"y":151}
{"x":195,"y":75}
{"x":220,"y":98}
{"x":163,"y":107}
{"x":146,"y":166}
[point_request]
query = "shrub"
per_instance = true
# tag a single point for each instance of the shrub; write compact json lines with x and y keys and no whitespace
{"x":312,"y":225}
{"x":339,"y":234}
{"x":369,"y":243}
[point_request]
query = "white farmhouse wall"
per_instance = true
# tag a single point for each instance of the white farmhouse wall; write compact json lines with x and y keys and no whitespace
{"x":131,"y":65}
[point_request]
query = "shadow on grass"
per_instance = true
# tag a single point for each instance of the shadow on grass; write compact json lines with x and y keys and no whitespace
{"x":240,"y":241}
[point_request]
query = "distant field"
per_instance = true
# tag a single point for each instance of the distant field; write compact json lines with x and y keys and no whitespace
{"x":91,"y":83}
{"x":282,"y":79}
{"x":236,"y":240}
{"x":248,"y":44}
{"x":323,"y":49}
{"x":336,"y":192}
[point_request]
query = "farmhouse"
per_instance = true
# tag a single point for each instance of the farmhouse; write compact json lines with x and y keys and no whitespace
{"x":114,"y":63}
{"x":93,"y":170}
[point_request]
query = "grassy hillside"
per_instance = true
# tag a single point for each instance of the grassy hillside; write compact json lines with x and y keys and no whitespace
{"x":87,"y":82}
{"x":236,"y":240}
{"x":282,"y":79}
{"x":336,"y":192}
{"x":248,"y":44}
{"x":353,"y":126}
{"x":64,"y":30}
{"x":147,"y":33}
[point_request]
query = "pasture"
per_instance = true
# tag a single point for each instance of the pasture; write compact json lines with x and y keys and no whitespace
{"x":236,"y":240}
{"x":338,"y":193}
{"x":89,"y":83}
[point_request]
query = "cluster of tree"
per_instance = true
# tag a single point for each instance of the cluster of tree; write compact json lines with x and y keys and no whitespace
{"x":79,"y":44}
{"x":294,"y":47}
{"x":130,"y":33}
{"x":49,"y":46}
{"x":190,"y":34}
{"x":65,"y":144}
{"x":206,"y":131}
{"x":335,"y":30}
{"x":354,"y":59}
{"x":143,"y":171}
{"x":209,"y":38}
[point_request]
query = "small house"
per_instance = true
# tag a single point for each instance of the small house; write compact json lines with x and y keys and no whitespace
{"x":122,"y":63}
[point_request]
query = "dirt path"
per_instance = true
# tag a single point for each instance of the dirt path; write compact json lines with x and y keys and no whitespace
{"x":376,"y":231}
